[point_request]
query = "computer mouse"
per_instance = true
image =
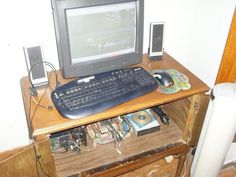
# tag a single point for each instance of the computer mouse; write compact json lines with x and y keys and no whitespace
{"x":164,"y":79}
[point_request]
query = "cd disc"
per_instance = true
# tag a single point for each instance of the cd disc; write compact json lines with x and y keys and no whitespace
{"x":142,"y":117}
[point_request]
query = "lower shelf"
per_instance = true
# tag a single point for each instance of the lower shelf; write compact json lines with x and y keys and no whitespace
{"x":105,"y":157}
{"x":160,"y":168}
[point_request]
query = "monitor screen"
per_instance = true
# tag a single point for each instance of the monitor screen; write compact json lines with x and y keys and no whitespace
{"x":105,"y":31}
{"x":97,"y":36}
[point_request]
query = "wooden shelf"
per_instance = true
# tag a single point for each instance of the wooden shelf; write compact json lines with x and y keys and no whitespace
{"x":47,"y":121}
{"x":186,"y":109}
{"x":105,"y":156}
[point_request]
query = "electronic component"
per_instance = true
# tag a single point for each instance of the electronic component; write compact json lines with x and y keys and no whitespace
{"x":112,"y":128}
{"x":164,"y":78}
{"x":108,"y":131}
{"x":143,"y":122}
{"x":35,"y":64}
{"x":171,"y":80}
{"x":59,"y":141}
{"x":156,"y":38}
{"x":163,"y":116}
{"x":89,"y":41}
{"x":93,"y":94}
{"x":68,"y":140}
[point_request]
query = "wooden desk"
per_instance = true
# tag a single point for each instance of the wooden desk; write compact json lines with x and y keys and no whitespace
{"x":186,"y":109}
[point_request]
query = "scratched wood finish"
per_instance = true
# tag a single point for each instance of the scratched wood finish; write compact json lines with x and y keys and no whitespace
{"x":136,"y":152}
{"x":181,"y":149}
{"x":157,"y":169}
{"x":105,"y":157}
{"x":188,"y":114}
{"x":47,"y":121}
{"x":9,"y":153}
{"x":178,"y":111}
{"x":227,"y":71}
{"x":21,"y":161}
{"x":196,"y":118}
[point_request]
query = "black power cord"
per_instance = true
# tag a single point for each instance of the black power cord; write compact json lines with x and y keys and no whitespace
{"x":32,"y":89}
{"x":163,"y":116}
{"x":37,"y":161}
{"x":31,"y":117}
{"x":33,"y":92}
{"x":37,"y":156}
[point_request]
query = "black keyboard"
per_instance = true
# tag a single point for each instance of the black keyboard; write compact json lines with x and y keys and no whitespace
{"x":94,"y":94}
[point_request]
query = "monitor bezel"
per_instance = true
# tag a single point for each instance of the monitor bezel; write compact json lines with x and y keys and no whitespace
{"x":70,"y":70}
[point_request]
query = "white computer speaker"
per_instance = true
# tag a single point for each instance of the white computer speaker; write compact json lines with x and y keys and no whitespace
{"x":156,"y":38}
{"x":35,"y":64}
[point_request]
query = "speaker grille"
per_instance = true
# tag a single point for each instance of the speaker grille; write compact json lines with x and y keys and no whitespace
{"x":157,"y":38}
{"x":35,"y":57}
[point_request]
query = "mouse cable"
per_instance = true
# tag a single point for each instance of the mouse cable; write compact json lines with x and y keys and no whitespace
{"x":37,"y":160}
{"x":34,"y":91}
{"x":37,"y":102}
{"x":43,"y":106}
{"x":31,"y":117}
{"x":163,"y":116}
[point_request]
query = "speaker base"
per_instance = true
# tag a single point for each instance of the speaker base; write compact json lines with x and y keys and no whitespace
{"x":42,"y":84}
{"x":155,"y":57}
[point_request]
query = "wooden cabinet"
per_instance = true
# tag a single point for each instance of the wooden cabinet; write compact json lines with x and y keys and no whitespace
{"x":22,"y":161}
{"x":185,"y":108}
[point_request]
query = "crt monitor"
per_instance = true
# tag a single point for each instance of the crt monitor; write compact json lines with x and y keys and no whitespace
{"x":95,"y":36}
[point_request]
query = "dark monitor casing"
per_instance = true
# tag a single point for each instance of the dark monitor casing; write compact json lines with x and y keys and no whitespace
{"x":96,"y":66}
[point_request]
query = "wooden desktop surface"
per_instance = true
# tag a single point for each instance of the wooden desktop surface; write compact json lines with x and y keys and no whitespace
{"x":46,"y":121}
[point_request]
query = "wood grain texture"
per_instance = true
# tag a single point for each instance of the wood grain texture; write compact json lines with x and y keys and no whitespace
{"x":195,"y":119}
{"x":47,"y":121}
{"x":198,"y":117}
{"x":22,"y":161}
{"x":136,"y":151}
{"x":178,"y":111}
{"x":227,"y":71}
{"x":157,"y":169}
{"x":229,"y":171}
{"x":133,"y":148}
{"x":9,"y":153}
{"x":133,"y":165}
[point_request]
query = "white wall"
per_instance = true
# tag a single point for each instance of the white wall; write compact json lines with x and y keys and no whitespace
{"x":22,"y":22}
{"x":195,"y":34}
{"x":196,"y":31}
